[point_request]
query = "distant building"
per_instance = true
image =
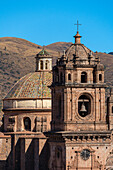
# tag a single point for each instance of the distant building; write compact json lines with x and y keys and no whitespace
{"x":77,"y":134}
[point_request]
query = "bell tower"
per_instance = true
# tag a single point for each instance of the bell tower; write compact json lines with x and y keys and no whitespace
{"x":78,"y":90}
{"x":80,"y":132}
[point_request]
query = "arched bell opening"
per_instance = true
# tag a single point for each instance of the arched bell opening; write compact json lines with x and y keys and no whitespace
{"x":84,"y":105}
{"x":41,"y":65}
{"x":47,"y":65}
{"x":27,"y":124}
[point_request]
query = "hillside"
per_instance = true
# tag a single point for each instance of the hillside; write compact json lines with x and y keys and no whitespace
{"x":17,"y":58}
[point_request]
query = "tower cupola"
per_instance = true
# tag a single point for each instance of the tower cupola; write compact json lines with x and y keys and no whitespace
{"x":43,"y":61}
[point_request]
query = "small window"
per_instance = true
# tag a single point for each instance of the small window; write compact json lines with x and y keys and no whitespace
{"x":100,"y":77}
{"x":41,"y":65}
{"x":27,"y":124}
{"x":112,"y":109}
{"x":58,"y":154}
{"x":12,"y":119}
{"x":69,"y":76}
{"x":83,"y":77}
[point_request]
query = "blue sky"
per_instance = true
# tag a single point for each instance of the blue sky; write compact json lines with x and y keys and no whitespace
{"x":47,"y":21}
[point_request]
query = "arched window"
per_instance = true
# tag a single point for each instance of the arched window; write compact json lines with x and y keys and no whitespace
{"x":27,"y":123}
{"x":69,"y":76}
{"x":83,"y":77}
{"x":41,"y":65}
{"x":47,"y":64}
{"x":100,"y":77}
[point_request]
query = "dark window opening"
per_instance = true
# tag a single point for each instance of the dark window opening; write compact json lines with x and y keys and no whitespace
{"x":41,"y":65}
{"x":112,"y":109}
{"x":58,"y":154}
{"x":60,"y":107}
{"x":12,"y":119}
{"x":27,"y":124}
{"x":83,"y":77}
{"x":69,"y":76}
{"x":100,"y":77}
{"x":46,"y":64}
{"x":61,"y":77}
{"x":84,"y":105}
{"x":94,"y":77}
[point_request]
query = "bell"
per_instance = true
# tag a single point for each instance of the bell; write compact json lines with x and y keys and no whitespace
{"x":83,"y":108}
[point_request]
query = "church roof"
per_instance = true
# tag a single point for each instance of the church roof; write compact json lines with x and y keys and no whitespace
{"x":32,"y":85}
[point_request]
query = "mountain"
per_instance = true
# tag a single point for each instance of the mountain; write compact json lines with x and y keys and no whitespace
{"x":111,"y":53}
{"x":17,"y":58}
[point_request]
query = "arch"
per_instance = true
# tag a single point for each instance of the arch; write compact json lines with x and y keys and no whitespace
{"x":41,"y":65}
{"x":69,"y":76}
{"x":47,"y":65}
{"x":83,"y":77}
{"x":27,"y":124}
{"x":84,"y":105}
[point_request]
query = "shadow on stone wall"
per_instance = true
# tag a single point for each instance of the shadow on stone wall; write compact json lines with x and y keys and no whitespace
{"x":29,"y":156}
{"x":44,"y":157}
{"x":13,"y":161}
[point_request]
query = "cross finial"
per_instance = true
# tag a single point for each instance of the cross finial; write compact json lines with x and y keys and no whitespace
{"x":77,"y":25}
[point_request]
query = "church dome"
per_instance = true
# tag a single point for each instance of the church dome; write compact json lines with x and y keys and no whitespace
{"x":78,"y":54}
{"x":32,"y":85}
{"x":81,"y":52}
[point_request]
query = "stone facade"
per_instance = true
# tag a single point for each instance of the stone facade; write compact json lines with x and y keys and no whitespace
{"x":78,"y":134}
